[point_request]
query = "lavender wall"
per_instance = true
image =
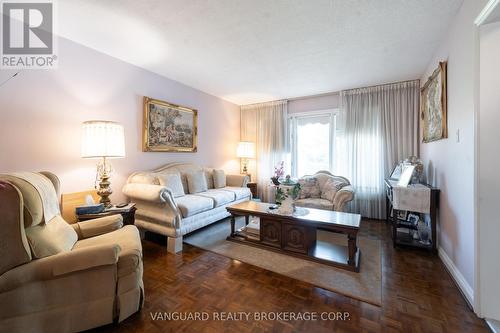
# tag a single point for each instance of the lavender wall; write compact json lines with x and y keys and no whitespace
{"x":41,"y":113}
{"x":449,"y":163}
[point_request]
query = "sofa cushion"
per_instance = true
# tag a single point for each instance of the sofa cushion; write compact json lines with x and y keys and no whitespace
{"x":196,"y":182}
{"x":309,"y":187}
{"x":315,"y":203}
{"x":209,"y":177}
{"x":331,"y":187}
{"x":128,"y":239}
{"x":173,"y":182}
{"x":219,"y":179}
{"x":239,"y":192}
{"x":194,"y":204}
{"x":219,"y":197}
{"x":51,"y":238}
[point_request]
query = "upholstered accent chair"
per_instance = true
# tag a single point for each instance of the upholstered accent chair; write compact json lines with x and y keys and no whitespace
{"x":323,"y":190}
{"x":57,"y":277}
{"x":179,"y":198}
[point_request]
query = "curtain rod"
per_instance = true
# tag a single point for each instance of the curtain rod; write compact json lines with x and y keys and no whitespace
{"x":276,"y":100}
{"x":330,"y":93}
{"x":383,"y":84}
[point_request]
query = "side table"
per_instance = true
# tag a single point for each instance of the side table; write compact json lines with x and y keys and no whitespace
{"x":128,"y":214}
{"x":253,"y":188}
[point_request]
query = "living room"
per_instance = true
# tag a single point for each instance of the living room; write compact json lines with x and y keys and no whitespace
{"x":299,"y":166}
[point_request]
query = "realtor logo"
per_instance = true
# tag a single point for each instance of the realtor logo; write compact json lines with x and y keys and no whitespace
{"x":28,"y":35}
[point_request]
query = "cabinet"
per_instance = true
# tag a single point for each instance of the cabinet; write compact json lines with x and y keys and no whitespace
{"x":428,"y":214}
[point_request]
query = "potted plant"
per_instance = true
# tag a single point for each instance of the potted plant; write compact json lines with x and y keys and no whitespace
{"x":286,"y":194}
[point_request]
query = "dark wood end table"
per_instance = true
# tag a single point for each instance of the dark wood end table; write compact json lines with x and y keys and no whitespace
{"x":253,"y":188}
{"x":127,"y":214}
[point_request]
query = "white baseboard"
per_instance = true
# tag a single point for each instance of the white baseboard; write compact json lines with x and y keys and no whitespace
{"x":460,"y":280}
{"x":494,"y":325}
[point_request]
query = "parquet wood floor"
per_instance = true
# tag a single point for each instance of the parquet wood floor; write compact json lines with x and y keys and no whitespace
{"x":418,"y":294}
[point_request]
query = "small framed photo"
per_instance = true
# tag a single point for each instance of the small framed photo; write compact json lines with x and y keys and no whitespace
{"x":413,"y":218}
{"x":402,"y":215}
{"x":396,"y":172}
{"x":406,"y":175}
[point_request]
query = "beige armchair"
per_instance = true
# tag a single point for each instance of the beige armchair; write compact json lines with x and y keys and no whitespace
{"x":324,"y":195}
{"x":56,"y":277}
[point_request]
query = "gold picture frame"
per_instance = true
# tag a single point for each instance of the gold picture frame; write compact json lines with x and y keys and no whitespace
{"x":169,"y":127}
{"x":434,"y":105}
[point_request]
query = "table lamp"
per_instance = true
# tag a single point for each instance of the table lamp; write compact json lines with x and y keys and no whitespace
{"x":245,"y":151}
{"x":103,"y":139}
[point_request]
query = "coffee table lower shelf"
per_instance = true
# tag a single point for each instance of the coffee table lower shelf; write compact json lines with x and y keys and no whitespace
{"x":322,"y":252}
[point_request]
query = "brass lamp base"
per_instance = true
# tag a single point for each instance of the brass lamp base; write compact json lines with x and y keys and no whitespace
{"x":244,"y":161}
{"x":104,"y":190}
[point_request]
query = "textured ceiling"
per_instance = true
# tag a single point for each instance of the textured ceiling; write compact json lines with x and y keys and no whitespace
{"x":249,"y":51}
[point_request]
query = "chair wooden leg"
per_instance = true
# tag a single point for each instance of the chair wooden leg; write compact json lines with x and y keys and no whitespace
{"x":174,"y":244}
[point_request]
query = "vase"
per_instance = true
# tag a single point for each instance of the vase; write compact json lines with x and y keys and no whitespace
{"x":423,"y":232}
{"x":287,"y":206}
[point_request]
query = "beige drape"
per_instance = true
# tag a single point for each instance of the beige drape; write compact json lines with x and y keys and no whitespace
{"x":265,"y":124}
{"x":380,"y":128}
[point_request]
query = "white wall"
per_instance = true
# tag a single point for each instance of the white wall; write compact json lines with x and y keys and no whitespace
{"x":449,"y":164}
{"x":41,"y":112}
{"x":489,"y":177}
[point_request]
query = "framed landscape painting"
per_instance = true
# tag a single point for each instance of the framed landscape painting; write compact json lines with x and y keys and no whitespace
{"x":433,"y":104}
{"x":169,"y":127}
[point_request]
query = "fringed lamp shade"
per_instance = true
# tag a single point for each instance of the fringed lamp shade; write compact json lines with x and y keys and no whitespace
{"x":245,"y":150}
{"x":102,"y":139}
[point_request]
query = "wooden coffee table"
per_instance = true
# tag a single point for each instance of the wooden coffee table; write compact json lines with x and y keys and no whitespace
{"x":296,"y":235}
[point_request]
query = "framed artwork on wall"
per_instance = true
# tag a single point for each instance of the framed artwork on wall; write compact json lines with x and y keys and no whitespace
{"x":433,"y":105}
{"x":169,"y":127}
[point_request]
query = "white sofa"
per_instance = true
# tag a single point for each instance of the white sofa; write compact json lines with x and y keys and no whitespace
{"x":163,"y":210}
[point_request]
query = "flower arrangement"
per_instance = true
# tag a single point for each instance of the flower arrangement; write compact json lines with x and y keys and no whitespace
{"x":279,"y":170}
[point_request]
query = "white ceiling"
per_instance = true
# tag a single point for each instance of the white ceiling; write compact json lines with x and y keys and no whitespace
{"x":248,"y":51}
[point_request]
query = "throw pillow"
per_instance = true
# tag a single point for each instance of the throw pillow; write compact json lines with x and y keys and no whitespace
{"x":145,"y":178}
{"x":196,"y":182}
{"x":173,"y":182}
{"x":209,"y":176}
{"x":219,"y":179}
{"x":331,"y":187}
{"x":309,"y":187}
{"x":51,"y":238}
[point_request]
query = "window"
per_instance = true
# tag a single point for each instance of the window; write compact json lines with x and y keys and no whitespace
{"x":312,"y":142}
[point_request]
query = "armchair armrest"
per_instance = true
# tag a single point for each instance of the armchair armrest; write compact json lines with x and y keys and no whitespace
{"x":237,"y":180}
{"x":342,"y":197}
{"x":147,"y":192}
{"x":99,"y":226}
{"x":85,"y":258}
{"x":63,"y":263}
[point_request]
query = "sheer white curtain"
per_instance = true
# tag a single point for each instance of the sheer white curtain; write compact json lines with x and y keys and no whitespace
{"x":266,"y":125}
{"x":380,"y":127}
